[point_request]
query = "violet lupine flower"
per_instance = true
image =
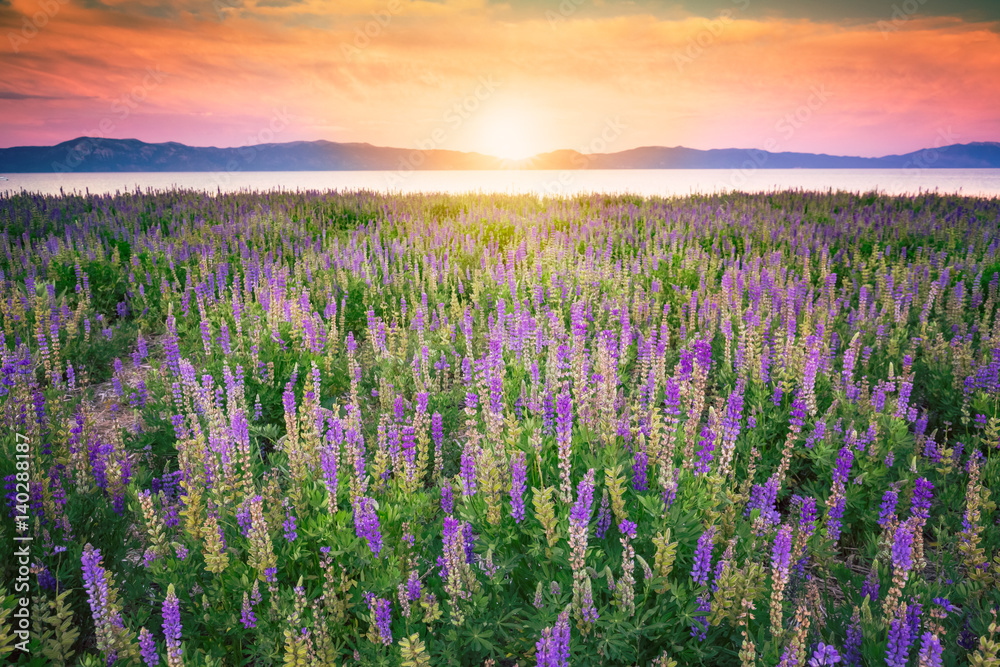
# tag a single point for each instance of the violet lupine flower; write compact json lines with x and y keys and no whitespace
{"x":413,"y":586}
{"x":852,"y":644}
{"x":366,"y":524}
{"x":923,"y":492}
{"x":838,"y":500}
{"x":459,"y":552}
{"x":703,"y":557}
{"x":731,"y":421}
{"x":703,"y":354}
{"x":824,"y":655}
{"x":290,"y":525}
{"x":580,"y":513}
{"x":328,"y":463}
{"x":902,"y":548}
{"x":670,"y":488}
{"x":381,"y":611}
{"x":807,"y":513}
{"x":897,"y":653}
{"x":172,"y":626}
{"x":706,"y":446}
{"x":552,"y":650}
{"x":147,"y":646}
{"x":797,"y":416}
{"x":447,"y":499}
{"x":243,"y":517}
{"x":870,"y":588}
{"x":887,"y":512}
{"x":95,"y":581}
{"x":437,"y":430}
{"x":843,"y":468}
{"x":603,"y":517}
{"x":518,"y":474}
{"x":409,"y":444}
{"x":930,"y":651}
{"x":764,"y":497}
{"x":640,"y":471}
{"x":468,"y":473}
{"x":627,"y":528}
{"x":699,"y":626}
{"x":782,"y":550}
{"x":247,"y":616}
{"x":564,"y":440}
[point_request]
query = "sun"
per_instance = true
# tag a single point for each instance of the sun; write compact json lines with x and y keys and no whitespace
{"x":507,"y":131}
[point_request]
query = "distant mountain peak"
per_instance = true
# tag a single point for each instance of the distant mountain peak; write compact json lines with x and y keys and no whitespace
{"x":97,"y":154}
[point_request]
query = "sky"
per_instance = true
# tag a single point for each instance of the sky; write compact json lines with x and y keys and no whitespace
{"x":514,"y":78}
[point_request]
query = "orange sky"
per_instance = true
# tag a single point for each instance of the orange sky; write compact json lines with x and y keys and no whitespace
{"x":497,"y":78}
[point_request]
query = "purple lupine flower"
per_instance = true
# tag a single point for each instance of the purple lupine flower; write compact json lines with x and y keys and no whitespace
{"x":366,"y":524}
{"x":902,"y":548}
{"x":706,"y":446}
{"x":447,"y":499}
{"x":247,"y":616}
{"x":797,"y":415}
{"x":699,"y":626}
{"x":703,"y":557}
{"x":913,"y":613}
{"x":640,"y":471}
{"x":172,"y":626}
{"x":552,"y":650}
{"x":782,"y":550}
{"x":703,"y":354}
{"x":731,"y":419}
{"x":95,"y":581}
{"x":852,"y":644}
{"x":328,"y":463}
{"x":580,"y":513}
{"x":870,"y":588}
{"x":243,"y":517}
{"x":670,"y":488}
{"x":824,"y":655}
{"x":564,"y":416}
{"x":946,"y":605}
{"x":764,"y":497}
{"x":290,"y":525}
{"x":627,"y":528}
{"x":603,"y":517}
{"x":413,"y":586}
{"x":381,"y":611}
{"x":468,"y":473}
{"x":147,"y":646}
{"x":437,"y":430}
{"x":518,"y":474}
{"x":807,"y":513}
{"x":843,"y":468}
{"x":923,"y":492}
{"x":897,"y":653}
{"x":930,"y":651}
{"x":887,"y":512}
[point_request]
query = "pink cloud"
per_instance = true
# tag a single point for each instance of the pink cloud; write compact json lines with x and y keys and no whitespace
{"x":203,"y":78}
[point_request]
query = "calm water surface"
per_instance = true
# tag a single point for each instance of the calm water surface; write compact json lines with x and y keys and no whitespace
{"x":664,"y":182}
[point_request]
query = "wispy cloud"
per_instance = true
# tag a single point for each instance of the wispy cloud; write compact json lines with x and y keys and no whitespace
{"x":384,"y":71}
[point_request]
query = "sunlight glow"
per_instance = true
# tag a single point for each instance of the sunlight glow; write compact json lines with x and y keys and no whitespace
{"x":507,"y":131}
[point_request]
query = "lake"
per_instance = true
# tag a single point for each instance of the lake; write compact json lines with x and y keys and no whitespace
{"x":663,"y":182}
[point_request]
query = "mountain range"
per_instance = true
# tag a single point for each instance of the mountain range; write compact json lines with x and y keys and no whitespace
{"x":88,"y":154}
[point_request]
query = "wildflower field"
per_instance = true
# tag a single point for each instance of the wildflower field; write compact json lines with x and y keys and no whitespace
{"x":361,"y":429}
